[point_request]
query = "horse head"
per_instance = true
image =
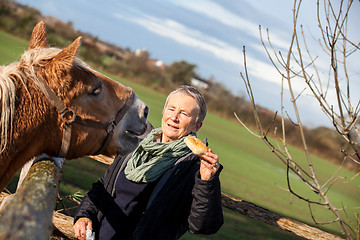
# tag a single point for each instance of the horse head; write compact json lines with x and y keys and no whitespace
{"x":52,"y":91}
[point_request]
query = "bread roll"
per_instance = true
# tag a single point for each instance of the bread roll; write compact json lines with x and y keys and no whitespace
{"x":196,"y":145}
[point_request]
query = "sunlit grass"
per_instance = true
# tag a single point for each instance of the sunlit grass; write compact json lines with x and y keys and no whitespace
{"x":11,"y":48}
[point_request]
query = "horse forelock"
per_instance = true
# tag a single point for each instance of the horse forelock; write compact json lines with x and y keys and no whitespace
{"x":21,"y":71}
{"x":38,"y":57}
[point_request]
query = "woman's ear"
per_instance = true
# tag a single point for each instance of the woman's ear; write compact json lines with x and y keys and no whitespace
{"x":197,"y":127}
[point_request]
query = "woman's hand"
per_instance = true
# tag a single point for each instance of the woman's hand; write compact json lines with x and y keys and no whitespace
{"x":209,"y":165}
{"x":80,"y":227}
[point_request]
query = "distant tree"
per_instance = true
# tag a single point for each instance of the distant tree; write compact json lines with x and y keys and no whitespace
{"x":138,"y":63}
{"x":181,"y":72}
{"x":17,"y":22}
{"x":299,"y":64}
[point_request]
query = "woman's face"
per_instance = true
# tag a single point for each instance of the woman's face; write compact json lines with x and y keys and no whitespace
{"x":179,"y":117}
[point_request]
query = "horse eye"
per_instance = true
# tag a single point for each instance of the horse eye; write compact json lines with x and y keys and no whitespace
{"x":96,"y":91}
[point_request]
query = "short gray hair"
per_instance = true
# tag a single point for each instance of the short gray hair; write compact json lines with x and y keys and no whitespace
{"x":194,"y":93}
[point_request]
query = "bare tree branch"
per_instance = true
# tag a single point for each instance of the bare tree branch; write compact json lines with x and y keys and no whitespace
{"x":345,"y":118}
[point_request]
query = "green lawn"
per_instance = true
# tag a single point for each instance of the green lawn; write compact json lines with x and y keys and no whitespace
{"x":11,"y":48}
{"x":251,"y":171}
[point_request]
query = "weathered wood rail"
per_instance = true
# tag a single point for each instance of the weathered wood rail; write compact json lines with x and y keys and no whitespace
{"x":29,"y":215}
{"x":251,"y":210}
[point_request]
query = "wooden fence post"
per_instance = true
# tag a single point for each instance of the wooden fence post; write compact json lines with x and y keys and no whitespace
{"x":251,"y":210}
{"x":28,"y":215}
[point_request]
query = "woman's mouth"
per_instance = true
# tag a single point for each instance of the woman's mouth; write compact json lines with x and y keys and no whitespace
{"x":172,"y":126}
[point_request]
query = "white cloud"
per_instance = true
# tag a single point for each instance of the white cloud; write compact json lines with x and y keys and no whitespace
{"x":259,"y":67}
{"x":217,"y":12}
{"x":180,"y":33}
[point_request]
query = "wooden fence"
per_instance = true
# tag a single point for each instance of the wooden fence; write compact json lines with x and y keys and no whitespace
{"x":30,"y":214}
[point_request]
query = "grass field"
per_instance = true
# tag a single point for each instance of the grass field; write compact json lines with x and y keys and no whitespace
{"x":251,"y":171}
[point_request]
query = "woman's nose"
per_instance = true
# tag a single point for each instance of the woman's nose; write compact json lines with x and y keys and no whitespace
{"x":174,"y":116}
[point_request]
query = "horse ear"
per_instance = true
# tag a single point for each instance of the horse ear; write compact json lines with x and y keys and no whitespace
{"x":38,"y":36}
{"x":68,"y":55}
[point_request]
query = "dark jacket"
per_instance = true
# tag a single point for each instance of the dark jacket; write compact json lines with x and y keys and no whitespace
{"x":181,"y":201}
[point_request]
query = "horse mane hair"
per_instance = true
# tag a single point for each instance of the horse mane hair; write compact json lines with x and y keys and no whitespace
{"x":21,"y":72}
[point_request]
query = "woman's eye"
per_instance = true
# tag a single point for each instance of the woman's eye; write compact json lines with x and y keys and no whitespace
{"x":96,"y":91}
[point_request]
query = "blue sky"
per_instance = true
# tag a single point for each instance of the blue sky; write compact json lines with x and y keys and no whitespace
{"x":207,"y":33}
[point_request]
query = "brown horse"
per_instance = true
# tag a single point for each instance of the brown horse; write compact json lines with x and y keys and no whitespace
{"x":53,"y":103}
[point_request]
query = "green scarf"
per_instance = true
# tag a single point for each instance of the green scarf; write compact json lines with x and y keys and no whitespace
{"x":164,"y":155}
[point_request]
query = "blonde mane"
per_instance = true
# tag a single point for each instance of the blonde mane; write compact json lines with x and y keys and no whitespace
{"x":21,"y":71}
{"x":7,"y":100}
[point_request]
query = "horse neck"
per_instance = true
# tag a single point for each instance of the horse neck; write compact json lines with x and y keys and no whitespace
{"x":30,"y":125}
{"x":35,"y":123}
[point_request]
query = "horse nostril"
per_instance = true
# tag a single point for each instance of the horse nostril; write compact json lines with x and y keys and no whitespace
{"x":146,"y":112}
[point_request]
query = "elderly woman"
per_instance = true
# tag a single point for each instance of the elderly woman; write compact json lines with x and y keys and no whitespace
{"x":161,"y":190}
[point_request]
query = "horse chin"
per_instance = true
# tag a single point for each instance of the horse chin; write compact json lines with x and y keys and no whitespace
{"x":128,"y":143}
{"x":129,"y":139}
{"x":133,"y":127}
